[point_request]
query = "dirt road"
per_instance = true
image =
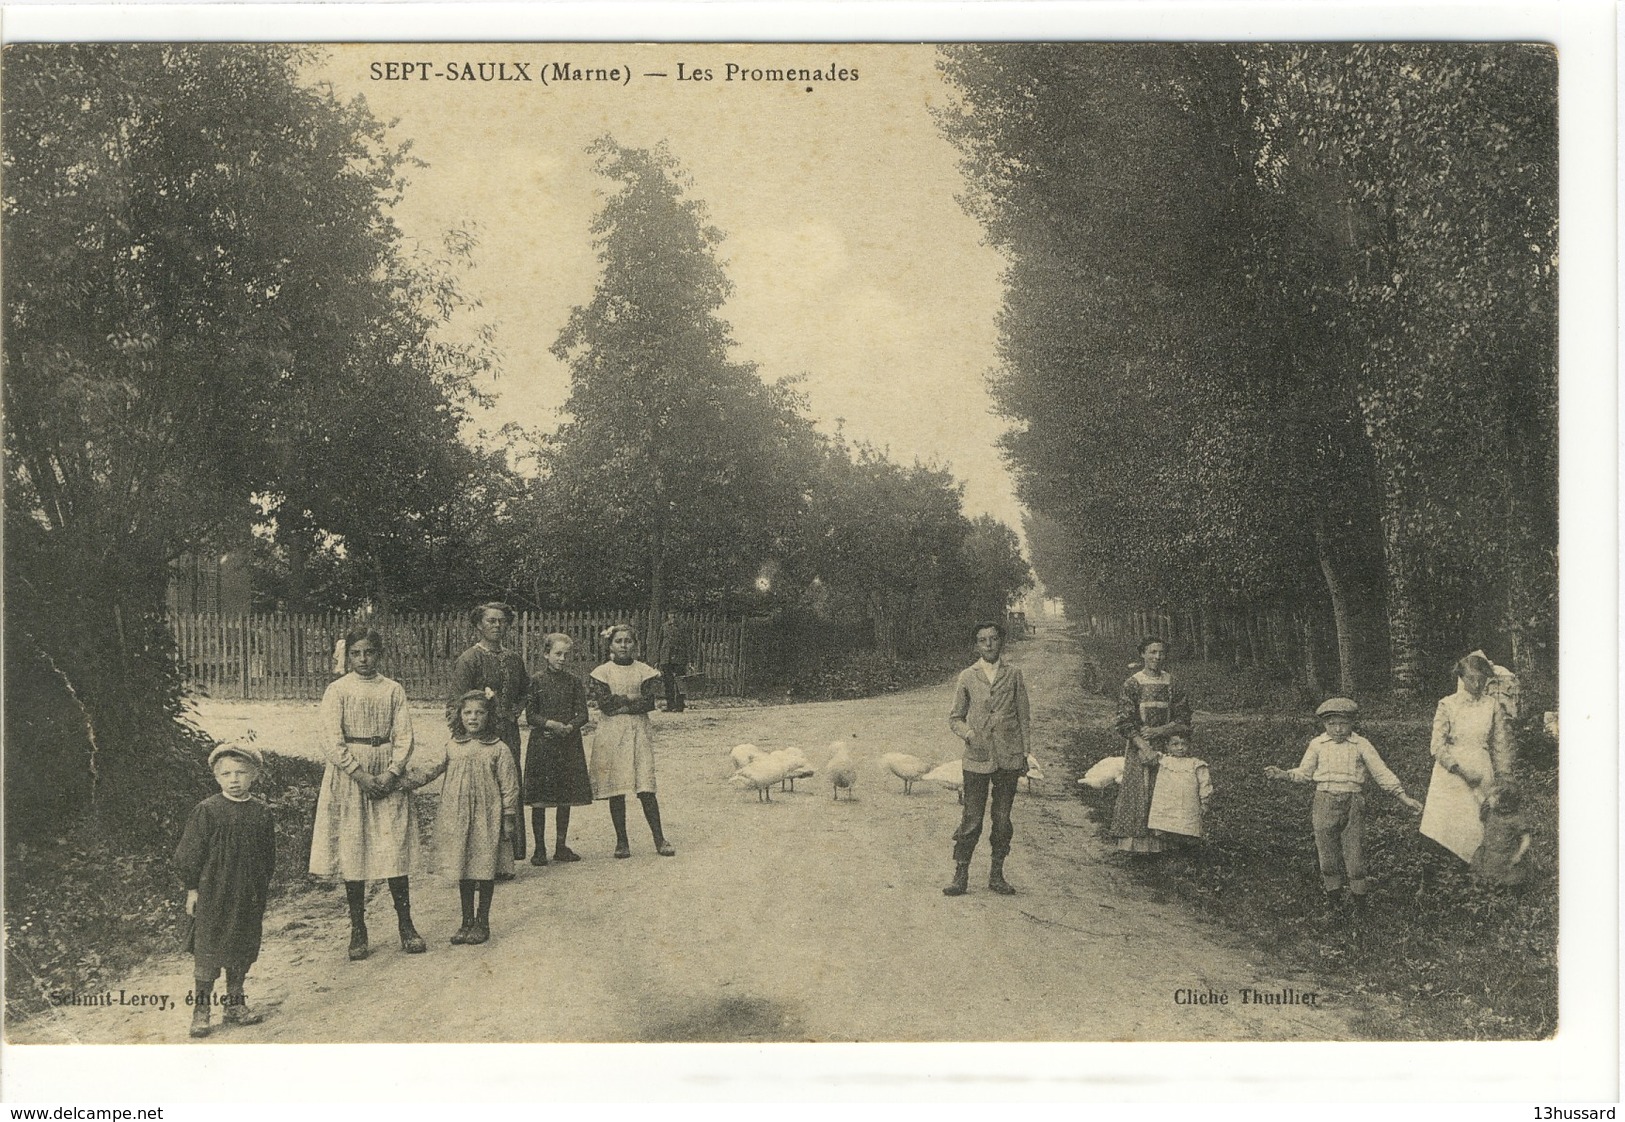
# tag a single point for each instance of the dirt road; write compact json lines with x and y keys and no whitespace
{"x":802,"y":919}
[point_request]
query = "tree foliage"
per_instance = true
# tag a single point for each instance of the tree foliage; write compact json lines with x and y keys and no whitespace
{"x":1279,"y":328}
{"x":679,"y":471}
{"x":211,"y":321}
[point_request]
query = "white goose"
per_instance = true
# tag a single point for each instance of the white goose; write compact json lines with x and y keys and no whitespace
{"x":1033,"y":771}
{"x":743,"y":754}
{"x":761,"y":774}
{"x":842,"y":769}
{"x":1104,"y":774}
{"x":795,"y":764}
{"x":951,"y":775}
{"x":905,"y":767}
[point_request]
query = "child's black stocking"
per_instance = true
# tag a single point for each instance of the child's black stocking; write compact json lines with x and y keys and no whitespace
{"x":617,"y":816}
{"x":355,"y":895}
{"x":561,"y":827}
{"x":203,"y":991}
{"x":401,"y":892}
{"x":651,"y":814}
{"x":411,"y":941}
{"x":465,"y":891}
{"x":538,"y":824}
{"x":483,"y":916}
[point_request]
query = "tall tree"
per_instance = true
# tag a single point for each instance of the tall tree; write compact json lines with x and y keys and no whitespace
{"x":1279,"y":325}
{"x":679,"y":470}
{"x":208,"y":313}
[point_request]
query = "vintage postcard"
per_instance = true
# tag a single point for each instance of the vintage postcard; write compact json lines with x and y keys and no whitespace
{"x":566,"y":534}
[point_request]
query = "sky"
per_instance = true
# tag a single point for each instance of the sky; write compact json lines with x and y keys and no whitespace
{"x":853,"y":264}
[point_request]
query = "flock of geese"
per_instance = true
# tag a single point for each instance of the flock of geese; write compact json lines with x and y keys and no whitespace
{"x":762,"y":771}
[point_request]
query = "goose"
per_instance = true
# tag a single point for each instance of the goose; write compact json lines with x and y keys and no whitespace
{"x":842,"y":769}
{"x":761,"y":774}
{"x":743,"y":754}
{"x":951,"y":775}
{"x":905,"y":767}
{"x":795,"y":766}
{"x":1104,"y":774}
{"x":1033,"y":771}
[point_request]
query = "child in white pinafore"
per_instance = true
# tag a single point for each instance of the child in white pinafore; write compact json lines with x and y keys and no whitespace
{"x":1182,"y":791}
{"x":623,"y":751}
{"x":479,"y":803}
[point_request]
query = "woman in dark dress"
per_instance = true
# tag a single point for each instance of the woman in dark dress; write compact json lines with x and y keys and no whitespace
{"x":1150,"y":702}
{"x":498,"y":670}
{"x":555,"y":760}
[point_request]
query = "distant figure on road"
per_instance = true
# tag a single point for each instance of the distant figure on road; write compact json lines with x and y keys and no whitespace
{"x":991,"y":715}
{"x":676,"y":653}
{"x":1149,"y":704}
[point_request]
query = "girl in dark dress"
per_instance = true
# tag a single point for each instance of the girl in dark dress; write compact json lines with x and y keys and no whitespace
{"x":499,"y":671}
{"x":225,"y":859}
{"x":555,"y":761}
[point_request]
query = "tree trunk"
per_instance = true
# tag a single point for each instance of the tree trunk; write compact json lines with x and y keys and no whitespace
{"x":657,"y":585}
{"x":1404,"y":657}
{"x":1311,"y":656}
{"x":1340,"y":612}
{"x":298,"y":546}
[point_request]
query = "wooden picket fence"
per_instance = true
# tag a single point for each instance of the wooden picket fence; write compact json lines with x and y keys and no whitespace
{"x":289,"y":656}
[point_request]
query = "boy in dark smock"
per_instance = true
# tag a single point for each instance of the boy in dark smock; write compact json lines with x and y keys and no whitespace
{"x":225,"y":859}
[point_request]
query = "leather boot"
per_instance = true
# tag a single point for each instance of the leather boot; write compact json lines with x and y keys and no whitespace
{"x":202,"y":998}
{"x":237,"y":1011}
{"x":961,"y":881}
{"x":996,"y":881}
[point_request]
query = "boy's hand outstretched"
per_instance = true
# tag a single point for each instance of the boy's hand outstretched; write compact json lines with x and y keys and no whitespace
{"x":1415,"y":807}
{"x":1273,"y":772}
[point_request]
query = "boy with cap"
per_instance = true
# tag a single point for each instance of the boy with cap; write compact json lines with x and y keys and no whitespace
{"x":1337,"y":763}
{"x":225,"y":859}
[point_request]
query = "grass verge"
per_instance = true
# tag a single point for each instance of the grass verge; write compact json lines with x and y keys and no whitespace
{"x":1457,"y":961}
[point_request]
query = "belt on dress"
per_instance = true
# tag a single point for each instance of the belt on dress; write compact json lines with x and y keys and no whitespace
{"x":375,"y":741}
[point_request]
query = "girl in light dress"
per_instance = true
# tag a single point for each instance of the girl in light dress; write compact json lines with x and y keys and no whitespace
{"x":623,"y":756}
{"x":479,"y":803}
{"x":366,"y":827}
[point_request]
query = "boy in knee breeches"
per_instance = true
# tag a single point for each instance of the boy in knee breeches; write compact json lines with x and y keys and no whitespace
{"x":1337,"y":763}
{"x":991,"y":715}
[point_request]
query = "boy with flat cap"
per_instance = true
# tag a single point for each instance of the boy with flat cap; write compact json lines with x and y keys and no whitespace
{"x":1337,"y":763}
{"x":225,"y":859}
